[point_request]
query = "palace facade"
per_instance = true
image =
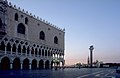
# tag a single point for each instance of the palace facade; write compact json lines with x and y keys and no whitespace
{"x":27,"y":41}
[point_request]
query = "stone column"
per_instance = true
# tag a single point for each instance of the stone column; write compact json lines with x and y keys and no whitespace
{"x":11,"y":50}
{"x":47,"y":52}
{"x":30,"y":51}
{"x":41,"y":52}
{"x":21,"y":49}
{"x":37,"y":52}
{"x":25,"y":50}
{"x":49,"y":64}
{"x":21,"y":65}
{"x":34,"y":52}
{"x":11,"y":65}
{"x":30,"y":66}
{"x":5,"y":49}
{"x":16,"y":50}
{"x":91,"y":55}
{"x":44,"y":53}
{"x":44,"y":64}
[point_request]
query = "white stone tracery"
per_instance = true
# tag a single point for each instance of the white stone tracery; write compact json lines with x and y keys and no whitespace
{"x":26,"y":48}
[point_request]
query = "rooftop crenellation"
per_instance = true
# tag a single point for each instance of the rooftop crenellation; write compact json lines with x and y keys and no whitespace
{"x":34,"y":16}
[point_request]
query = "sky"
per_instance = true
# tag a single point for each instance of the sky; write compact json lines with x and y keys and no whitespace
{"x":86,"y":22}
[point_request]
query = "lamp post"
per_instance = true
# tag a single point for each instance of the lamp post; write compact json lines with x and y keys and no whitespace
{"x":91,"y":55}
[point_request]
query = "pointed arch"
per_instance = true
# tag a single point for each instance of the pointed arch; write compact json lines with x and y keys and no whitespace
{"x":42,"y":52}
{"x":2,"y":46}
{"x":45,"y":52}
{"x":56,"y":40}
{"x":32,"y":50}
{"x":19,"y":48}
{"x":52,"y":63}
{"x":35,"y":51}
{"x":16,"y":63}
{"x":21,"y":28}
{"x":34,"y":64}
{"x":24,"y":49}
{"x":26,"y":20}
{"x":42,"y":35}
{"x":8,"y":47}
{"x":26,"y":63}
{"x":28,"y":49}
{"x":39,"y":51}
{"x":47,"y":64}
{"x":16,"y":16}
{"x":14,"y":48}
{"x":5,"y":63}
{"x":41,"y":64}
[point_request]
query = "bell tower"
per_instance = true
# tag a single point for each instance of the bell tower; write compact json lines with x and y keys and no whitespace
{"x":3,"y":17}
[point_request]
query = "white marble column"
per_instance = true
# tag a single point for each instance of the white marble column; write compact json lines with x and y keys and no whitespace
{"x":5,"y":49}
{"x":41,"y":52}
{"x":21,"y":65}
{"x":30,"y":51}
{"x":11,"y":50}
{"x":30,"y":66}
{"x":44,"y":53}
{"x":11,"y":65}
{"x":21,"y":49}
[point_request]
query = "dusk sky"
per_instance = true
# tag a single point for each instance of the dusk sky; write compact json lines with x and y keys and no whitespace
{"x":86,"y":22}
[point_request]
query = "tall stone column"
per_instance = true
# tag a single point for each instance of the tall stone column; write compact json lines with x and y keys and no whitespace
{"x":91,"y":55}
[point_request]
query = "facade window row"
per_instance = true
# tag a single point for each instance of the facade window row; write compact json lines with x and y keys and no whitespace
{"x":16,"y":17}
{"x":14,"y":48}
{"x":21,"y":29}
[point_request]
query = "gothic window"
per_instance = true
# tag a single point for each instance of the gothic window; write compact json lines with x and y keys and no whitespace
{"x":8,"y":47}
{"x":14,"y":48}
{"x":55,"y":40}
{"x":2,"y":46}
{"x":16,"y":17}
{"x":21,"y":28}
{"x":0,"y":23}
{"x":24,"y":49}
{"x":42,"y":35}
{"x":26,"y":20}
